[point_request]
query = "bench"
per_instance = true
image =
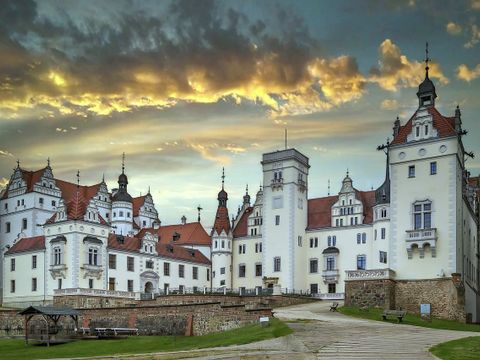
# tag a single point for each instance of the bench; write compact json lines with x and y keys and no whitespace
{"x":116,"y":331}
{"x":334,"y":306}
{"x":399,"y":314}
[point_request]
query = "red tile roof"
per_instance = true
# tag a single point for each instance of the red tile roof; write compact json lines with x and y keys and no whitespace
{"x":444,"y":125}
{"x":241,"y":229}
{"x":222,"y":222}
{"x":35,"y":243}
{"x":172,"y":251}
{"x":190,"y":234}
{"x":320,"y":209}
{"x":137,"y":204}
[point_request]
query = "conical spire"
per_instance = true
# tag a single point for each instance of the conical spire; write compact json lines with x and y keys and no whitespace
{"x":246,"y":197}
{"x":122,"y":193}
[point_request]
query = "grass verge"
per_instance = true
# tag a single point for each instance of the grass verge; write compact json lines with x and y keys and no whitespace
{"x":461,"y":349}
{"x":409,"y":319}
{"x":16,"y":349}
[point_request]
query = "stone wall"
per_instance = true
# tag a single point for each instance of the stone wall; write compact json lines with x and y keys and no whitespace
{"x":370,"y":293}
{"x":446,"y":301}
{"x":203,"y":318}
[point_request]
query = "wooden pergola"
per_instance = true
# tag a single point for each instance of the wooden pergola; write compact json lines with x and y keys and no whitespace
{"x":49,"y":314}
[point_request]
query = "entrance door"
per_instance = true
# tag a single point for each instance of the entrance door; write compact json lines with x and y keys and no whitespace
{"x":148,"y":287}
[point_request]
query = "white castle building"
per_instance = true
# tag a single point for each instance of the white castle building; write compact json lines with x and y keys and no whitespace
{"x":421,"y":224}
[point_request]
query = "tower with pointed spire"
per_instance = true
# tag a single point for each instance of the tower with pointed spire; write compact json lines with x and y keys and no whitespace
{"x":426,"y":90}
{"x":222,"y":242}
{"x":122,"y":205}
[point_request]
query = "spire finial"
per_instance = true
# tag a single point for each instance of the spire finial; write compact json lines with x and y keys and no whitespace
{"x":103,"y":177}
{"x":328,"y":187}
{"x":199,"y":208}
{"x":348,"y":173}
{"x":223,"y":178}
{"x":18,"y":163}
{"x":48,"y":161}
{"x":427,"y":59}
{"x":286,"y":139}
{"x":148,"y":189}
{"x":78,"y":179}
{"x":246,"y":190}
{"x":123,"y":163}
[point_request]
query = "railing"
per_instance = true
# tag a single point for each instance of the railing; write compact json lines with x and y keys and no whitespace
{"x":330,"y":296}
{"x":94,"y":292}
{"x":421,"y":234}
{"x":330,"y":273}
{"x":376,"y":274}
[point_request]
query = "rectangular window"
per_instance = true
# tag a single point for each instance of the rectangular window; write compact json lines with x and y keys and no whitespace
{"x":59,"y":284}
{"x":90,"y":283}
{"x":241,"y":270}
{"x":40,"y":201}
{"x":208,"y":274}
{"x":361,"y":262}
{"x":277,"y":219}
{"x":92,"y":256}
{"x":299,"y":240}
{"x":411,"y":171}
{"x":181,"y":271}
{"x":256,"y":247}
{"x":383,"y":257}
{"x":313,"y":266}
{"x":313,"y":288}
{"x":330,"y":263}
{"x":277,"y":264}
{"x":12,"y":264}
{"x":112,"y":261}
{"x":34,"y":261}
{"x":222,"y":271}
{"x":24,"y":224}
{"x":149,"y":264}
{"x":7,"y":227}
{"x":54,"y":203}
{"x":130,"y":263}
{"x":166,"y":269}
{"x":433,"y":168}
{"x":332,"y":288}
{"x":34,"y":284}
{"x":311,"y":242}
{"x":195,"y":273}
{"x":130,"y":285}
{"x":181,"y":289}
{"x":111,"y":284}
{"x":258,"y":269}
{"x":422,"y":216}
{"x":57,"y":255}
{"x":382,"y":235}
{"x":12,"y":286}
{"x":375,"y":234}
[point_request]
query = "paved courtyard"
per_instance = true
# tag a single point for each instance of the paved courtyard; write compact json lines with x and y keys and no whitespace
{"x":321,"y":334}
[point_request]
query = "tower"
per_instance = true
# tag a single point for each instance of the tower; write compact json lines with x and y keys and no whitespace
{"x":122,"y":205}
{"x":222,"y":242}
{"x":285,"y":207}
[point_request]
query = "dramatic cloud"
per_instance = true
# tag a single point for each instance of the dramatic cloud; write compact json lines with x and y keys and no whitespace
{"x":464,"y":73}
{"x":475,"y":4}
{"x":453,"y":29}
{"x":389,"y":104}
{"x":395,"y":70}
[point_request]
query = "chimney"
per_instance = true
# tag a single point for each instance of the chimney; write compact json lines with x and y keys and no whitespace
{"x":396,"y":127}
{"x":184,"y":220}
{"x":156,"y":224}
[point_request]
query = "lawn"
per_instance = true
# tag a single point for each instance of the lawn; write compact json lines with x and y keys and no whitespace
{"x":16,"y":349}
{"x":409,"y":319}
{"x":461,"y":349}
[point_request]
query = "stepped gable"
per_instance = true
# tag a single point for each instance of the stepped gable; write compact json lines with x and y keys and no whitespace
{"x":34,"y":243}
{"x":30,"y":177}
{"x":444,"y":125}
{"x":137,"y":204}
{"x":320,"y":209}
{"x":169,"y":250}
{"x":190,"y":234}
{"x":241,"y":229}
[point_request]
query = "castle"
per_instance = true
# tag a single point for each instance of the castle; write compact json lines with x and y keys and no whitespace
{"x":421,"y":225}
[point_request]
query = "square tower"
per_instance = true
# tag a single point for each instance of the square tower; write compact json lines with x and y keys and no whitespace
{"x":285,"y":213}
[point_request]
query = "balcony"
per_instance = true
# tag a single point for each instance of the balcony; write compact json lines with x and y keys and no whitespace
{"x":58,"y":270}
{"x":421,"y":239}
{"x":330,"y":276}
{"x":374,"y":274}
{"x":92,"y":271}
{"x":277,"y":183}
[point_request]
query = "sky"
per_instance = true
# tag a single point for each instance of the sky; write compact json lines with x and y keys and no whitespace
{"x":185,"y":88}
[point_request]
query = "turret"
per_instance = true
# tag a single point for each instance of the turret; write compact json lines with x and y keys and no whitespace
{"x":122,"y":205}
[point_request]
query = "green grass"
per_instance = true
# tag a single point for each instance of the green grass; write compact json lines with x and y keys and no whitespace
{"x":16,"y":349}
{"x":461,"y":349}
{"x":409,"y":319}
